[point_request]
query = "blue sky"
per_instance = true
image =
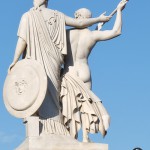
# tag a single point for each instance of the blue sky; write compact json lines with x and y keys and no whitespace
{"x":120,"y":71}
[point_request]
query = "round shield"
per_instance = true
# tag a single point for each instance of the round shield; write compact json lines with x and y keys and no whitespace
{"x":25,"y":88}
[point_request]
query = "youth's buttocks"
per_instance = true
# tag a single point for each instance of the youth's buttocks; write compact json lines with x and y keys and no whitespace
{"x":83,"y":70}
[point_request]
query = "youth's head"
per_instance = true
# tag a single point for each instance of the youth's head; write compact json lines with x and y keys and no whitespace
{"x":83,"y":13}
{"x":38,"y":3}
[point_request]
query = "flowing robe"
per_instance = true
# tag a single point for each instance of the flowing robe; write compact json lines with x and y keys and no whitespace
{"x":81,"y":106}
{"x":46,"y":43}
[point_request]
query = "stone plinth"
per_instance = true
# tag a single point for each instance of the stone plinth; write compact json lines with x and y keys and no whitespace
{"x":57,"y":142}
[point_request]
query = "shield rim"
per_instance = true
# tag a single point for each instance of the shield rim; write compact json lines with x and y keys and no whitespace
{"x":42,"y":90}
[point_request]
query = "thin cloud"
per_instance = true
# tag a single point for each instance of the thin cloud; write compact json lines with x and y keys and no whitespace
{"x":8,"y":138}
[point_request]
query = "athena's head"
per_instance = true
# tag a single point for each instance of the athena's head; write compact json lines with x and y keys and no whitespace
{"x":38,"y":3}
{"x":83,"y":13}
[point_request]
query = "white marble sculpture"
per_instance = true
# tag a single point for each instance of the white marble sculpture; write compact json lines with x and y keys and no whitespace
{"x":42,"y":40}
{"x":42,"y":37}
{"x":80,"y":106}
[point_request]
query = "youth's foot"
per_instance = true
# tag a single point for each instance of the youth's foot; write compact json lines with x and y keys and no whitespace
{"x":87,"y":140}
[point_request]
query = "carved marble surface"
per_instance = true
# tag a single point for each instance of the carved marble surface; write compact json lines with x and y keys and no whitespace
{"x":35,"y":90}
{"x":81,"y":108}
{"x":55,"y":142}
{"x":25,"y":88}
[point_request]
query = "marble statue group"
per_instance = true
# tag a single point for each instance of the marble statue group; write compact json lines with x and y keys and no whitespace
{"x":50,"y":88}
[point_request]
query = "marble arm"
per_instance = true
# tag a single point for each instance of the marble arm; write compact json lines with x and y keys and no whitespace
{"x":82,"y":23}
{"x":117,"y":28}
{"x":21,"y":46}
{"x":109,"y":34}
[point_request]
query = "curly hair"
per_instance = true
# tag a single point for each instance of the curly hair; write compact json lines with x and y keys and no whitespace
{"x":83,"y":12}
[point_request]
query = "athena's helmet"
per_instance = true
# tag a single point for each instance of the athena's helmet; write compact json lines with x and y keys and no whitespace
{"x":38,"y":3}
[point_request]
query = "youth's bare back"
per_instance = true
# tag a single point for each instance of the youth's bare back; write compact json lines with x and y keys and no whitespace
{"x":81,"y":41}
{"x":80,"y":44}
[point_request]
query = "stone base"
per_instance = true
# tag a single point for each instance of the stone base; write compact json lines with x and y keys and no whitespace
{"x":58,"y":142}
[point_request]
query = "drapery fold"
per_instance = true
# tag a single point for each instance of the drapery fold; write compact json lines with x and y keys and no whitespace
{"x":46,"y":43}
{"x":80,"y":105}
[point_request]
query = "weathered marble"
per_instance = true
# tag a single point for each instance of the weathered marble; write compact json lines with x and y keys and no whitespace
{"x":58,"y":142}
{"x":33,"y":94}
{"x":25,"y":88}
{"x":81,"y":107}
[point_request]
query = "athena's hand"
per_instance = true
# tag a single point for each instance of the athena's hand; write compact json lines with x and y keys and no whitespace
{"x":104,"y":18}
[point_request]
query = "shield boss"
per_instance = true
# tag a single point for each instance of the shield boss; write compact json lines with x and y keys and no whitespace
{"x":25,"y":88}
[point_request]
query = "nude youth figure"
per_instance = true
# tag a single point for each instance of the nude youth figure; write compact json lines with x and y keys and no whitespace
{"x":80,"y":43}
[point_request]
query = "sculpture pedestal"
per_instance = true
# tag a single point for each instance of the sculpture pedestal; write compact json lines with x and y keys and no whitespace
{"x":58,"y":142}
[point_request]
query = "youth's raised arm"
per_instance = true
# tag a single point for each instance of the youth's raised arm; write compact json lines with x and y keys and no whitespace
{"x":116,"y":31}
